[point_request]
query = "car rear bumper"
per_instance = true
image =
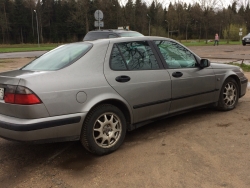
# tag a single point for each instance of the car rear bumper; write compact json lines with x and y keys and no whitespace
{"x":58,"y":128}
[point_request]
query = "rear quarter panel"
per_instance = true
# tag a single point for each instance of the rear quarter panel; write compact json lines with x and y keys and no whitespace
{"x":58,"y":89}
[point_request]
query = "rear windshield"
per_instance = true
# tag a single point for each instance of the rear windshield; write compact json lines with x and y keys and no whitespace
{"x":95,"y":35}
{"x":131,"y":34}
{"x":58,"y":58}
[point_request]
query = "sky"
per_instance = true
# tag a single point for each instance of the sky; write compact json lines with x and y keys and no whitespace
{"x":220,"y":3}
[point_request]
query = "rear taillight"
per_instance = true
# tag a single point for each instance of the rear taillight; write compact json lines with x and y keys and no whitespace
{"x":20,"y":95}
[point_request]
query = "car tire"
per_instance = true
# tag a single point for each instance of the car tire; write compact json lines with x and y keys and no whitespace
{"x":229,"y":95}
{"x":103,"y":130}
{"x":243,"y":43}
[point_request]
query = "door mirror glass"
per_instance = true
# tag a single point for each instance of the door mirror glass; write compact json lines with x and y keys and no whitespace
{"x":204,"y":63}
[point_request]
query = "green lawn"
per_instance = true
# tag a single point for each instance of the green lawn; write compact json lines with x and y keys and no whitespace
{"x":245,"y":68}
{"x":203,"y":43}
{"x":46,"y":47}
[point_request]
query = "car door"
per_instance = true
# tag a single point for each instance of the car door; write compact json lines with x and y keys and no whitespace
{"x":192,"y":86}
{"x":135,"y":73}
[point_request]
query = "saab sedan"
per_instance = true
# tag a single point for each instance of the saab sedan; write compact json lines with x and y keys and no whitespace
{"x":96,"y":91}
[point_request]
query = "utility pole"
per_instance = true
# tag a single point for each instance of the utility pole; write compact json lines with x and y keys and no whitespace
{"x":6,"y":22}
{"x":149,"y":24}
{"x":168,"y":27}
{"x":37,"y":29}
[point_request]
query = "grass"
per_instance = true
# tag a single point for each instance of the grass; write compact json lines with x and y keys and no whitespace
{"x":46,"y":47}
{"x":26,"y":47}
{"x":245,"y":68}
{"x":203,"y":43}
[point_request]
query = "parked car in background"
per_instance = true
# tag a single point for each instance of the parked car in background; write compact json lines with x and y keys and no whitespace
{"x":110,"y":33}
{"x":246,"y":39}
{"x":96,"y":91}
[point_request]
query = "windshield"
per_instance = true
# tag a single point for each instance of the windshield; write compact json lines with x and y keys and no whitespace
{"x":58,"y":58}
{"x":131,"y":34}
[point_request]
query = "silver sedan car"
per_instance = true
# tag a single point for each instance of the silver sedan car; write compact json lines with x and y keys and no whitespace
{"x":97,"y":91}
{"x":246,"y":39}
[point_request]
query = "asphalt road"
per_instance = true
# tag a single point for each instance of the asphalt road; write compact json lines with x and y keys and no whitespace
{"x":223,"y":52}
{"x":205,"y":148}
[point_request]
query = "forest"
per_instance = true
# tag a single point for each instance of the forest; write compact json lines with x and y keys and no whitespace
{"x":63,"y":21}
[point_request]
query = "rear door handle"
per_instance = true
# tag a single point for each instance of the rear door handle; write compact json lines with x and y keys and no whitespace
{"x":177,"y":74}
{"x":122,"y":78}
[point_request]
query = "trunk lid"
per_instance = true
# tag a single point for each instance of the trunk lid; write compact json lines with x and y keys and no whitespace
{"x":15,"y":110}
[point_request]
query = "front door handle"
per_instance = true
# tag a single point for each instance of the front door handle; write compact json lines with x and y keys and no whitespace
{"x":177,"y":74}
{"x":122,"y":78}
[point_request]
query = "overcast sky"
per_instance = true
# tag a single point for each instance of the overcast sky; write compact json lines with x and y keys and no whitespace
{"x":165,"y":3}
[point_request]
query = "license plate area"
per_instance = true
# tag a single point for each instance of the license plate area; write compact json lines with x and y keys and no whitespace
{"x":1,"y":93}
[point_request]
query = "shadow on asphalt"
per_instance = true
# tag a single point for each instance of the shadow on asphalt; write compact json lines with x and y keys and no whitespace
{"x":72,"y":155}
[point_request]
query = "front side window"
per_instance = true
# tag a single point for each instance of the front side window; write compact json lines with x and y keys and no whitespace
{"x":58,"y":58}
{"x":133,"y":56}
{"x":175,"y":55}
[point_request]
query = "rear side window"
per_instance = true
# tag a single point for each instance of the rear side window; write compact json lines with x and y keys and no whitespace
{"x":58,"y":58}
{"x":133,"y":56}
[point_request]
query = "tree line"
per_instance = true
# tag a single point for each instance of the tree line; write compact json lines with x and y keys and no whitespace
{"x":62,"y":21}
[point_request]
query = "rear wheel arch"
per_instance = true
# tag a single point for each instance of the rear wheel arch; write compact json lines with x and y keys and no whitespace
{"x":105,"y":127}
{"x":119,"y":104}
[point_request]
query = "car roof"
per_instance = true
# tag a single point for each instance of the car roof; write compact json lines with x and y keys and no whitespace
{"x":127,"y":39}
{"x":100,"y":34}
{"x":113,"y":30}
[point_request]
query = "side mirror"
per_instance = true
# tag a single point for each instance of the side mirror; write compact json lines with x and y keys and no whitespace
{"x":204,"y":63}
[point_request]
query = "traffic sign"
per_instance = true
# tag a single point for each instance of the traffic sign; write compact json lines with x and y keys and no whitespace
{"x":98,"y":15}
{"x":99,"y":24}
{"x":240,"y":33}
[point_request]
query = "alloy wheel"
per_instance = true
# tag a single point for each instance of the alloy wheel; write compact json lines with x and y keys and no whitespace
{"x":107,"y":130}
{"x":230,"y":94}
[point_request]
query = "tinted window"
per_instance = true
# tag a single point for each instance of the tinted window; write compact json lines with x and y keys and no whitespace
{"x":59,"y":57}
{"x":133,"y":56}
{"x":95,"y":35}
{"x":175,"y":55}
{"x":131,"y":34}
{"x":117,"y":62}
{"x":112,"y":36}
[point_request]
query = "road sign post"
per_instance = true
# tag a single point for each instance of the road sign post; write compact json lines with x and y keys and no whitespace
{"x":98,"y":16}
{"x":99,"y":24}
{"x":240,"y":33}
